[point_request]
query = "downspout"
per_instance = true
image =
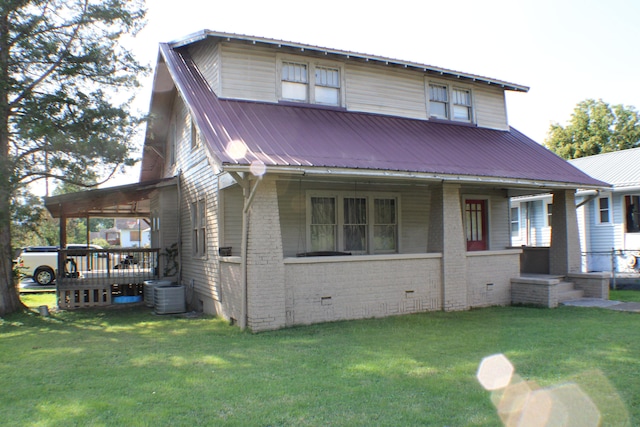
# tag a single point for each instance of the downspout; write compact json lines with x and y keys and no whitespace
{"x":179,"y":189}
{"x":248,"y":194}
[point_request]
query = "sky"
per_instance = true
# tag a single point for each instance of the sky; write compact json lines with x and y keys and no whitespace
{"x":566,"y":51}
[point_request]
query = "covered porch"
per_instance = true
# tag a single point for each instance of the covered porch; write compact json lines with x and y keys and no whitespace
{"x":88,"y":276}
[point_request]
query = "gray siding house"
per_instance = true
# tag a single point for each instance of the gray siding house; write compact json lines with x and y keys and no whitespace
{"x":310,"y":184}
{"x":609,"y":220}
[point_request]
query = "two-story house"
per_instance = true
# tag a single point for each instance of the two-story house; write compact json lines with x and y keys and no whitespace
{"x":315,"y":184}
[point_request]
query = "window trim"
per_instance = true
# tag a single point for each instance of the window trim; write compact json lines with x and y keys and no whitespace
{"x":517,"y":220}
{"x":370,"y":197}
{"x":311,"y":79}
{"x":599,"y":211}
{"x":548,"y":214}
{"x":449,"y":106}
{"x":198,"y":210}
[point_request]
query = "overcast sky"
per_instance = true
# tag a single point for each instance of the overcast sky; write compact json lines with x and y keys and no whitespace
{"x":564,"y":50}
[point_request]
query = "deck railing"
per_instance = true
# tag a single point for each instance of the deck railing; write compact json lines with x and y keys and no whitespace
{"x":93,"y":277}
{"x":81,"y":266}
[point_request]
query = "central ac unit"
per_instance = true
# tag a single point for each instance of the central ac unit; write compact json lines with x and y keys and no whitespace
{"x":169,"y":299}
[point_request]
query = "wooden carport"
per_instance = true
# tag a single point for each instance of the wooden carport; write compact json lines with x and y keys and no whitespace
{"x":97,"y":274}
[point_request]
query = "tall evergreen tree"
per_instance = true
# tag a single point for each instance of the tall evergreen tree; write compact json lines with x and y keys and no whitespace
{"x":595,"y":127}
{"x":62,"y":68}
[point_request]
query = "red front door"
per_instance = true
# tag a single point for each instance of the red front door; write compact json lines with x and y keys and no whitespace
{"x":475,"y":215}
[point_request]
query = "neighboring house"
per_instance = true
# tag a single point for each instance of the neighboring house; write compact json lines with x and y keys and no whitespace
{"x":608,"y":220}
{"x":314,"y":185}
{"x":126,"y":233}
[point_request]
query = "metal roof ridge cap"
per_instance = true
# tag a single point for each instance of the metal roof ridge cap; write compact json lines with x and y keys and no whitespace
{"x":367,"y":57}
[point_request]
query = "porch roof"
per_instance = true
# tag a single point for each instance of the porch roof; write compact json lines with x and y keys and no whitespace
{"x":304,"y":138}
{"x":129,"y":200}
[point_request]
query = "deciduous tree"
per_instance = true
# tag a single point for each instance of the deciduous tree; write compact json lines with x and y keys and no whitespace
{"x":65,"y":90}
{"x":595,"y":127}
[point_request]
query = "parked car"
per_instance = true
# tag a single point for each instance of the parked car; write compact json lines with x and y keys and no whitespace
{"x":41,"y":262}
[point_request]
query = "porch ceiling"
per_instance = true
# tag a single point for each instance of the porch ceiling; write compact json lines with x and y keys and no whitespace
{"x":131,"y":200}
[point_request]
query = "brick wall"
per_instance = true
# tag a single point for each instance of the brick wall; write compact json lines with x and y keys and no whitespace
{"x":489,"y":276}
{"x":265,"y":267}
{"x":321,"y":290}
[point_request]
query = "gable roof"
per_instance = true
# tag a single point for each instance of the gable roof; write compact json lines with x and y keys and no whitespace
{"x":309,"y":139}
{"x":619,"y":168}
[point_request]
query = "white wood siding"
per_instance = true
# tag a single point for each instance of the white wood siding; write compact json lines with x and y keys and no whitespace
{"x":248,"y":73}
{"x":198,"y":181}
{"x":383,"y":90}
{"x":206,"y":55}
{"x":490,"y":106}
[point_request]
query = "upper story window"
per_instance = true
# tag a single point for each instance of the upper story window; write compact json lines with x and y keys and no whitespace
{"x":450,"y":103}
{"x":327,"y":88}
{"x":310,"y":82}
{"x":294,"y":81}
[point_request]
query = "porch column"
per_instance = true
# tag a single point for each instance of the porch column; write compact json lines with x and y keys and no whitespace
{"x":564,"y":254}
{"x":446,"y":235}
{"x":265,"y":261}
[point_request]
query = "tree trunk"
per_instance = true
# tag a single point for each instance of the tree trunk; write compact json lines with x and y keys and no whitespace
{"x":9,"y":297}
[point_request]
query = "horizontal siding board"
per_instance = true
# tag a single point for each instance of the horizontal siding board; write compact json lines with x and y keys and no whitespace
{"x":248,"y":73}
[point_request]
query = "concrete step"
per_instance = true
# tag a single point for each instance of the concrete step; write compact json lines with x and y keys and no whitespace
{"x":570,"y":295}
{"x":565,"y":286}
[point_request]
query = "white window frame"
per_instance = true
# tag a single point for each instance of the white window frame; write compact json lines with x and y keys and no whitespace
{"x":370,"y":197}
{"x":516,"y":220}
{"x":311,"y":84}
{"x":548,"y":214}
{"x":599,"y":211}
{"x":199,"y":228}
{"x":450,"y":103}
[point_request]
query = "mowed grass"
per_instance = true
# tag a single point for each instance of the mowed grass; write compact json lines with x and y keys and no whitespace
{"x":130,"y":367}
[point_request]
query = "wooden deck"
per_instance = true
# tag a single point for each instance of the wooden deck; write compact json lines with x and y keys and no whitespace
{"x":93,"y":277}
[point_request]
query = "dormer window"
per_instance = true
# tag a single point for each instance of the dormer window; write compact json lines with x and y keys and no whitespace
{"x":294,"y":81}
{"x":438,"y":101}
{"x":450,"y":103}
{"x":327,"y":86}
{"x":310,"y":82}
{"x":462,"y":105}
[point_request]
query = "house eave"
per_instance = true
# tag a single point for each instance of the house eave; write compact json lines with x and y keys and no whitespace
{"x":511,"y":183}
{"x":348,"y":55}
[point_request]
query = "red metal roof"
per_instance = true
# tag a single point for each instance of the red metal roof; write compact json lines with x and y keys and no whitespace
{"x":310,"y":137}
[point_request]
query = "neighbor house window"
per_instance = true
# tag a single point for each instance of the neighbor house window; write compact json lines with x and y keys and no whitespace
{"x":515,"y":221}
{"x":363,"y":224}
{"x":632,"y":215}
{"x":450,"y":103}
{"x":604,"y":210}
{"x":199,"y":229}
{"x":295,"y":81}
{"x":327,"y":86}
{"x":549,"y":214}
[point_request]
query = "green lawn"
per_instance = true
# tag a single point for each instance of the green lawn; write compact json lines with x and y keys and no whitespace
{"x":130,"y":367}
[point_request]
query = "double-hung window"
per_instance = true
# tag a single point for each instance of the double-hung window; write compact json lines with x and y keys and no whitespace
{"x":295,"y":81}
{"x":199,"y":228}
{"x":439,"y":101}
{"x":315,"y":83}
{"x":450,"y":103}
{"x":604,"y":210}
{"x":362,"y":224}
{"x":515,"y":221}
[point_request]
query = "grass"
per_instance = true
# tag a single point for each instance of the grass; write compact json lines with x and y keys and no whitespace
{"x":130,"y":367}
{"x":624,"y":295}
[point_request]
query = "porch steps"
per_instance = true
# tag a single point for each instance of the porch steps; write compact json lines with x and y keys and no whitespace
{"x":568,"y":292}
{"x":545,"y":290}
